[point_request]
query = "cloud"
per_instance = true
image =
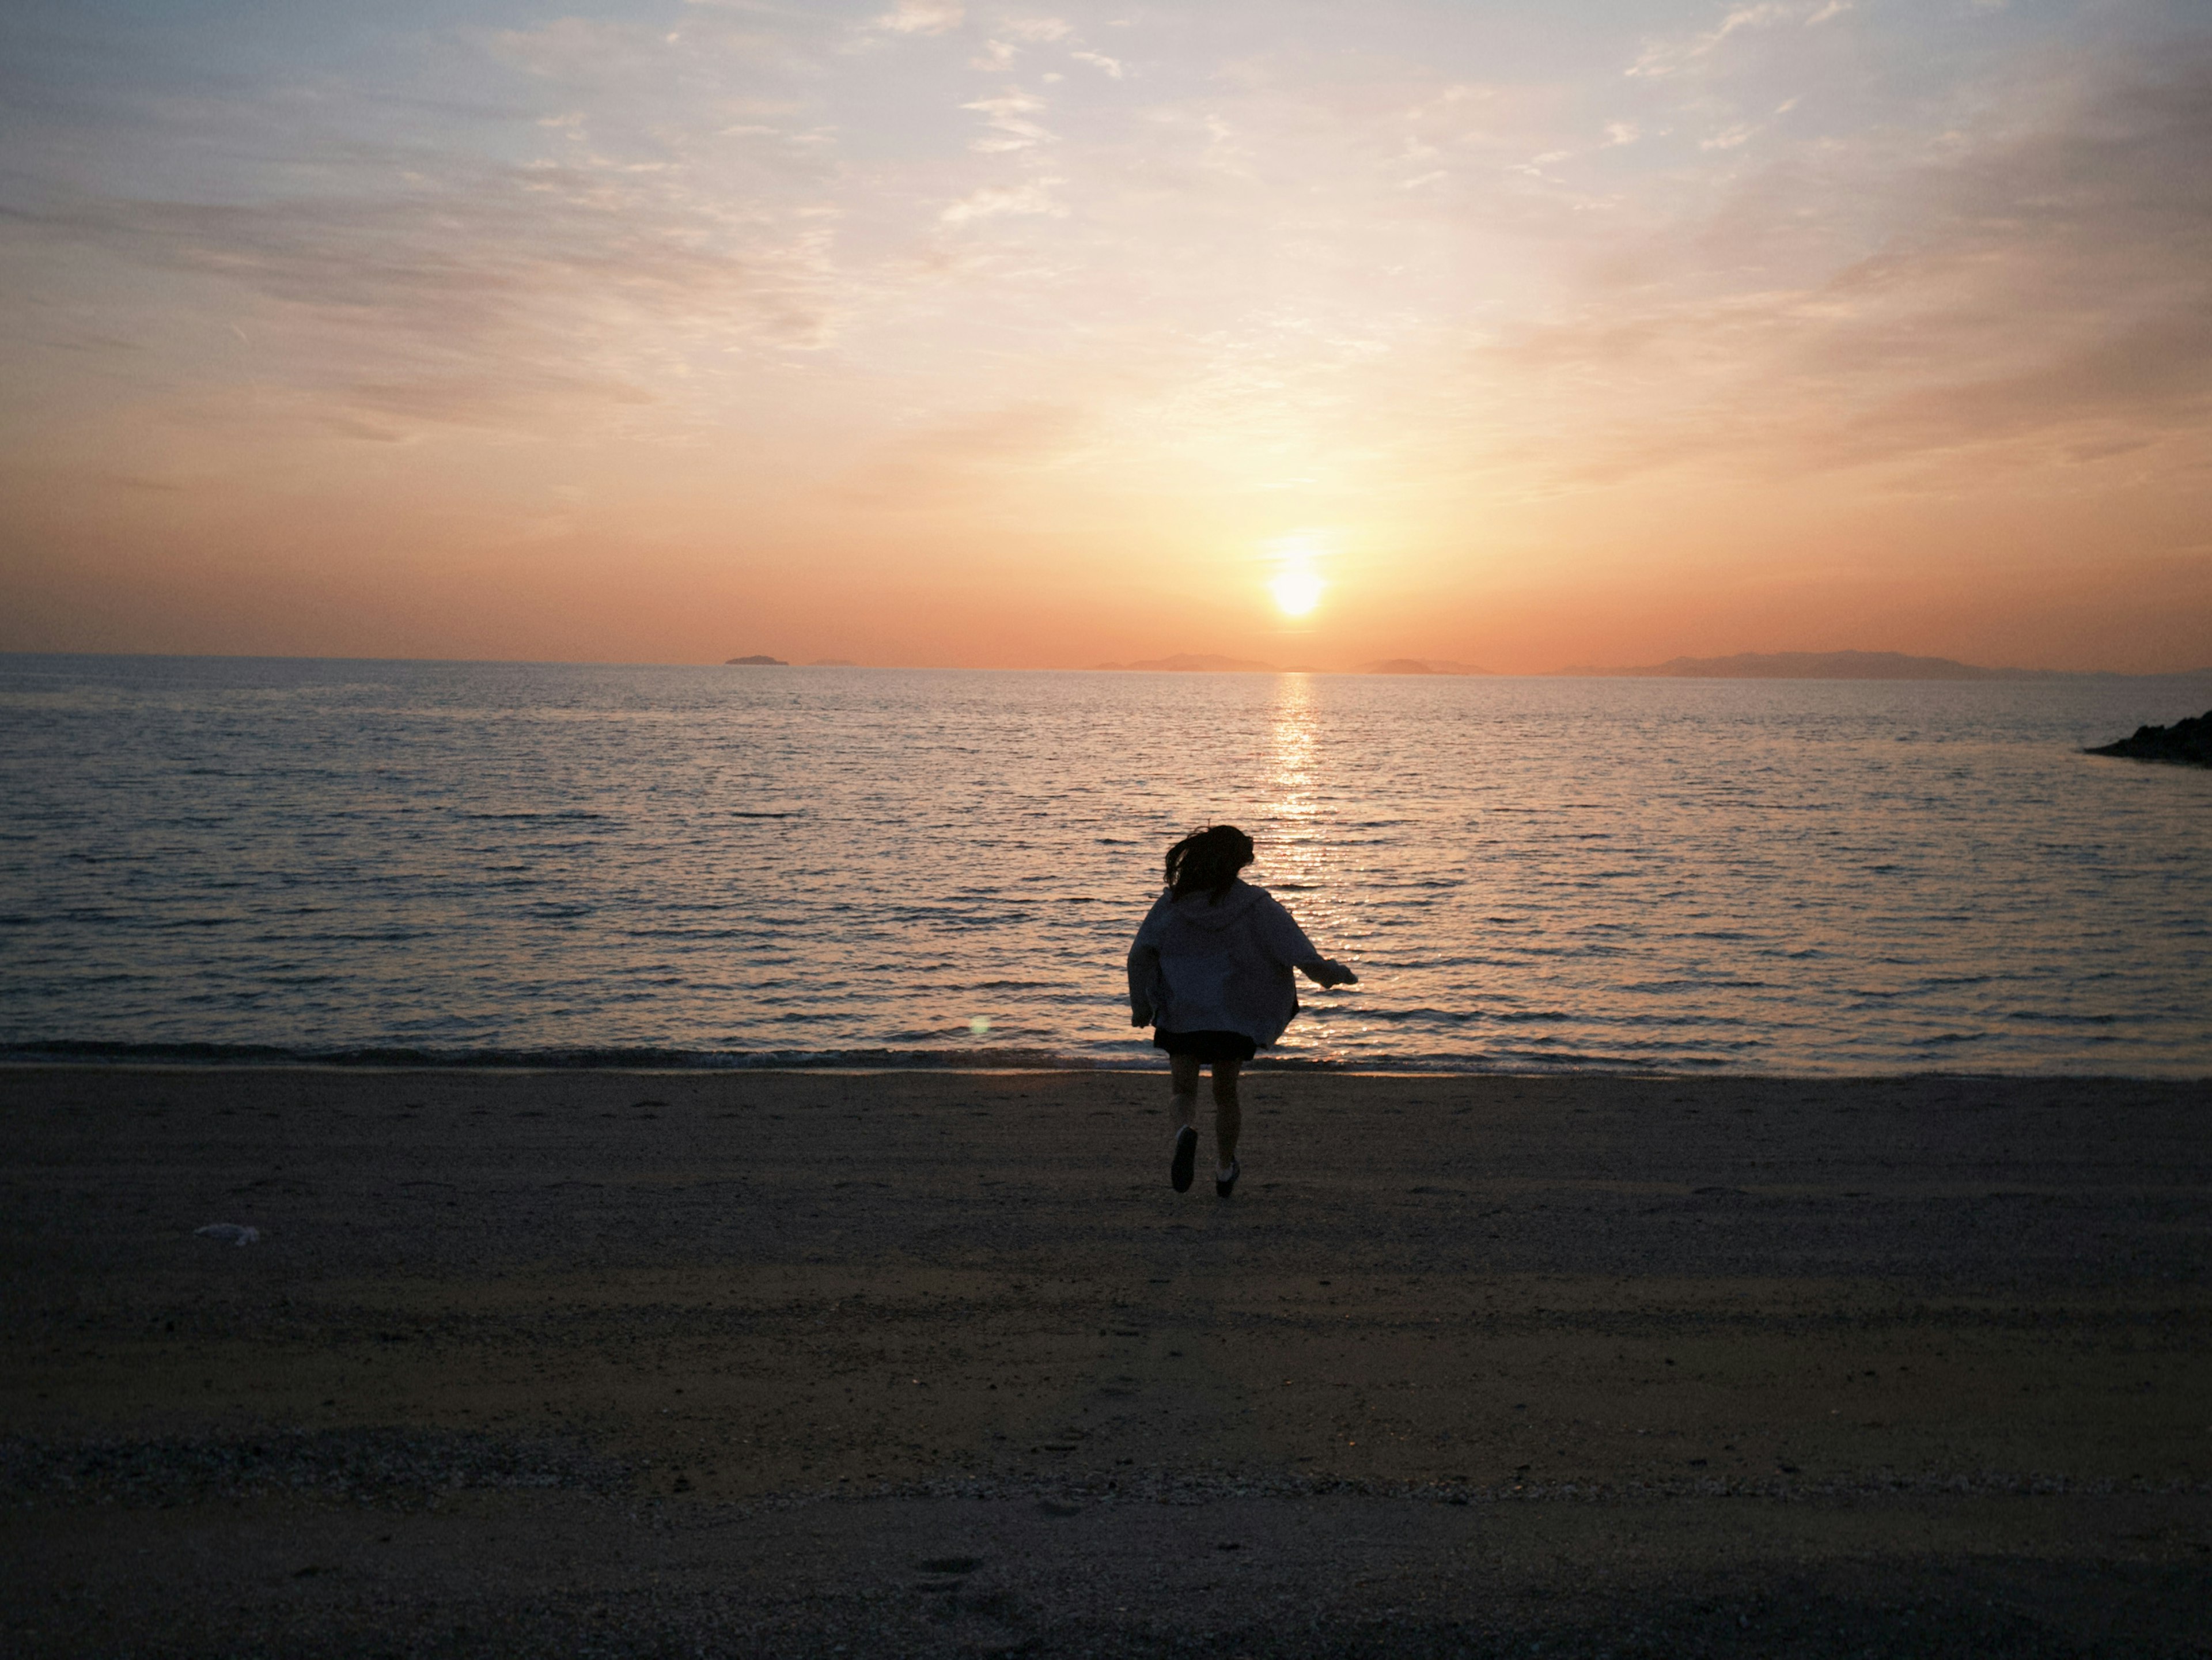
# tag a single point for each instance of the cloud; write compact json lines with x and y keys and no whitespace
{"x":2042,"y":288}
{"x":1008,"y":115}
{"x":920,"y":17}
{"x":999,"y":201}
{"x":1099,"y":60}
{"x":1038,"y":30}
{"x":490,"y":296}
{"x":1667,"y":58}
{"x":488,"y":398}
{"x":609,"y":57}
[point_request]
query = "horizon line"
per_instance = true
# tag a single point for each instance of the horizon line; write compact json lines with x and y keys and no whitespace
{"x":1576,"y":671}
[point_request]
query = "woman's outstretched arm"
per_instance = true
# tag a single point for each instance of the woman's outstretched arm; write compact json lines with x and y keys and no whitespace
{"x":1144,"y":975}
{"x":1326,"y":972}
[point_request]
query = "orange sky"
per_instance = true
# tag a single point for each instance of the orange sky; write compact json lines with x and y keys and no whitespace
{"x":938,"y":334}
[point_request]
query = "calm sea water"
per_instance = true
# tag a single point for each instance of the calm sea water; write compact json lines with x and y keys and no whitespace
{"x":737,"y":864}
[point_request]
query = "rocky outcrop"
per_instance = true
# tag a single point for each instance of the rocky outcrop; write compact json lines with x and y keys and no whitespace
{"x":2185,"y":742}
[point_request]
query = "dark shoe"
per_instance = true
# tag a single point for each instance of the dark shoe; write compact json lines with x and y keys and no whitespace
{"x":1224,"y":1189}
{"x":1186,"y":1156}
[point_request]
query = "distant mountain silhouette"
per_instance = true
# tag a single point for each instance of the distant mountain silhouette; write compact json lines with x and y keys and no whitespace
{"x":1199,"y":663}
{"x":1822,"y":666}
{"x":1420,"y":665}
{"x":757,"y":661}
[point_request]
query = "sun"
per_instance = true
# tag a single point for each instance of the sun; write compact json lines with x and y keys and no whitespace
{"x":1296,"y":592}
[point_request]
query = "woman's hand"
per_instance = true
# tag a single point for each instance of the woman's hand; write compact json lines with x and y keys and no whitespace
{"x":1140,"y":1013}
{"x":1329,"y":972}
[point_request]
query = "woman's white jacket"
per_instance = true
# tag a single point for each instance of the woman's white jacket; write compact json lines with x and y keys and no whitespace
{"x":1222,"y":965}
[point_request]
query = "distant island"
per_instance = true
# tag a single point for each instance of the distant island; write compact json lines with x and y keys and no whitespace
{"x":1826,"y":666}
{"x":756,"y":661}
{"x":2185,"y":742}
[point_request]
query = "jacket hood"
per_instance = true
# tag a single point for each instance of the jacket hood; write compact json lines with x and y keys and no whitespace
{"x":1200,"y":911}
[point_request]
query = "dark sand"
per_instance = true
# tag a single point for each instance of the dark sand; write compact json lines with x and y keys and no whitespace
{"x":930,"y":1363}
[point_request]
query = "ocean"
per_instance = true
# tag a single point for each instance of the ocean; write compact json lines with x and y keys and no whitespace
{"x":226,"y":858}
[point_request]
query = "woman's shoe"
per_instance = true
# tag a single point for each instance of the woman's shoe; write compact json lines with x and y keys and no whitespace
{"x":1226,"y":1185}
{"x":1185,"y":1158}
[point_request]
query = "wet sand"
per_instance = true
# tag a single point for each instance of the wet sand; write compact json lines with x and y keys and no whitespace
{"x":935,"y":1363}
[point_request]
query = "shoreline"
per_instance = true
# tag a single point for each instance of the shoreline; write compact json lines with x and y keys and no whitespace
{"x":933,"y":1361}
{"x":922,"y":1063}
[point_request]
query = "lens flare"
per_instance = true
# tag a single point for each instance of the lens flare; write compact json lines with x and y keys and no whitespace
{"x":1296,"y":592}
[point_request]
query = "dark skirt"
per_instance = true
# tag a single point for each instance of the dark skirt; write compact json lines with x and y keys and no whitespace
{"x":1206,"y":1045}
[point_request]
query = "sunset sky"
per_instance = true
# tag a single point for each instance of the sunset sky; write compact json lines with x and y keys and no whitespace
{"x":1523,"y":334}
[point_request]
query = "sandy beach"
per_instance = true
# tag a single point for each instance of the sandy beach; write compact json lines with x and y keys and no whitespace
{"x":935,"y":1363}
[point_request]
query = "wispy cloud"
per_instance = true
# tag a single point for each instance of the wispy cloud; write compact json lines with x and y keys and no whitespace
{"x":498,"y":297}
{"x":920,"y":17}
{"x":1008,"y":115}
{"x":997,"y":201}
{"x":2046,"y":282}
{"x":1666,"y":58}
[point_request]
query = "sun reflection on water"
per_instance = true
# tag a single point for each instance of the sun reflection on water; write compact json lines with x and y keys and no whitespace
{"x":1294,"y":847}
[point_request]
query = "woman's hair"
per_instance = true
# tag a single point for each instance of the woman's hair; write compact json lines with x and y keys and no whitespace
{"x":1209,"y":861}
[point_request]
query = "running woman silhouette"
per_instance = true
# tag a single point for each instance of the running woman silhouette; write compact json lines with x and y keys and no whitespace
{"x":1211,"y":973}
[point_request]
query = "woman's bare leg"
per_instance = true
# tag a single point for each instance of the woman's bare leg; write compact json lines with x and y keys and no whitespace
{"x":1228,"y":1111}
{"x":1182,"y":1079}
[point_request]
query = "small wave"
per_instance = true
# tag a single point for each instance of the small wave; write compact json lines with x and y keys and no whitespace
{"x":1650,"y":986}
{"x":1395,"y":1017}
{"x":525,"y":818}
